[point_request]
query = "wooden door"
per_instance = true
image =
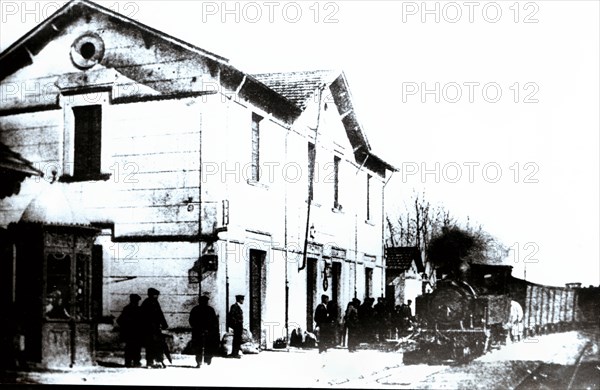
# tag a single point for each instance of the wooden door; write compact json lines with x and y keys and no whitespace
{"x":257,"y":283}
{"x":311,"y":292}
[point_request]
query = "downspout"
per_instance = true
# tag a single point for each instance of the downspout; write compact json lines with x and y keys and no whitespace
{"x":228,"y":232}
{"x":200,"y":185}
{"x":383,"y":261}
{"x":356,"y":230}
{"x":227,"y":123}
{"x":355,"y":252}
{"x":362,"y":165}
{"x":285,"y":240}
{"x":312,"y":178}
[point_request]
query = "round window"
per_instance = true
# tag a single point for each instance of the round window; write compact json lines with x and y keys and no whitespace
{"x":87,"y":51}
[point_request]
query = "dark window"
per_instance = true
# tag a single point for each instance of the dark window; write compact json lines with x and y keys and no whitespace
{"x":88,"y":50}
{"x":255,"y":147}
{"x":311,"y":169}
{"x":368,"y":197}
{"x":336,"y":182}
{"x":88,"y":137}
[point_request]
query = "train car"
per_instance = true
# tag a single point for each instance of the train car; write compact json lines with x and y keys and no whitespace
{"x":549,"y":309}
{"x":466,"y":316}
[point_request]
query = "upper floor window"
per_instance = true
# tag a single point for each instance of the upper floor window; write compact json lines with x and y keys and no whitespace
{"x":311,"y":169}
{"x":336,"y":182}
{"x":369,"y":197}
{"x":87,"y":141}
{"x":255,"y":159}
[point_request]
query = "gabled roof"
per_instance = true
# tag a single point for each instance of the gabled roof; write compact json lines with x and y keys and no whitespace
{"x":401,"y":258}
{"x":285,"y":94}
{"x":22,"y":52}
{"x":36,"y":39}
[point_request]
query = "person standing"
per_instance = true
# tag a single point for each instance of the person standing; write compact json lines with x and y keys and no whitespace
{"x":236,"y":323}
{"x":334,"y":315}
{"x":381,"y":319}
{"x":351,"y":324}
{"x":365,"y":319}
{"x":130,"y":322}
{"x":516,"y":321}
{"x":323,"y":321}
{"x":397,"y":324}
{"x":406,"y":315}
{"x":205,"y":331}
{"x":154,"y":322}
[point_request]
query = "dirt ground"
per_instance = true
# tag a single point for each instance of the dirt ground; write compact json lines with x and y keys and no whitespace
{"x":565,"y":360}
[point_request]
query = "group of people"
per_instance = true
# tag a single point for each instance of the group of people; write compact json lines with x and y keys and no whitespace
{"x":362,"y":322}
{"x":205,"y":330}
{"x":142,"y":326}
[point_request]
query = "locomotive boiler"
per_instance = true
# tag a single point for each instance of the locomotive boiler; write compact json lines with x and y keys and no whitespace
{"x":461,"y":317}
{"x":469,"y":313}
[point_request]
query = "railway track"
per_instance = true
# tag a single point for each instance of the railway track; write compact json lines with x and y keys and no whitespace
{"x":551,"y":363}
{"x":551,"y":376}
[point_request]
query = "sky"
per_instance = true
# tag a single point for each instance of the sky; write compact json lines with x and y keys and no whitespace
{"x":490,"y":108}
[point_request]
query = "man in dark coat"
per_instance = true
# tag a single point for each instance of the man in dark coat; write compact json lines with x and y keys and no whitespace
{"x":406,"y":315}
{"x":334,"y":315}
{"x":130,"y":322}
{"x":154,"y":322}
{"x":351,"y":324}
{"x":205,"y":331}
{"x":323,"y":321}
{"x":235,"y":321}
{"x":381,"y":319}
{"x":365,"y":318}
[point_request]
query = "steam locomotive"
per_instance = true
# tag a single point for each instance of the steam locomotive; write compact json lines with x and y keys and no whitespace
{"x":468,"y":314}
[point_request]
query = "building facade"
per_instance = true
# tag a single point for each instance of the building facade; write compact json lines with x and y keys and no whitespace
{"x":201,"y":179}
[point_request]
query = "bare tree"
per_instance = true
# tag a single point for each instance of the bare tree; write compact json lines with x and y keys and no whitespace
{"x":422,"y":223}
{"x":416,"y":225}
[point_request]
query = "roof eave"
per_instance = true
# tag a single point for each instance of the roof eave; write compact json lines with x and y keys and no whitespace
{"x":385,"y":164}
{"x":244,"y":84}
{"x":352,"y":116}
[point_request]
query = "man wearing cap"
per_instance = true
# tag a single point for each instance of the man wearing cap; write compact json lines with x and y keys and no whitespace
{"x":205,"y":331}
{"x":323,"y":321}
{"x":153,"y":322}
{"x":130,"y":322}
{"x":236,"y":322}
